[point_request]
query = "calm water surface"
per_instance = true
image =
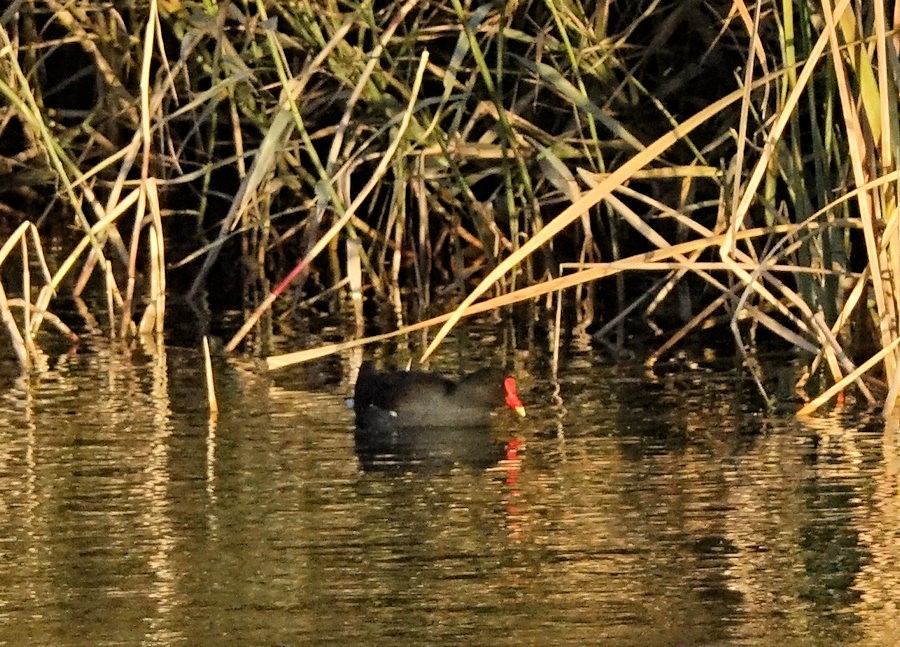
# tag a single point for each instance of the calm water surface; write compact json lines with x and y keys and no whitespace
{"x":625,"y":510}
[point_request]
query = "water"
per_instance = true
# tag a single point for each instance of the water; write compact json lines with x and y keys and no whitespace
{"x":625,"y":510}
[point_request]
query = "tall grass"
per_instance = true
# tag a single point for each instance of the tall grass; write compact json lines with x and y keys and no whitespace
{"x":737,"y":161}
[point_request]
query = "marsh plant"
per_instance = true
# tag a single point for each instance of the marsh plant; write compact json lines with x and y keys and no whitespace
{"x":674,"y":166}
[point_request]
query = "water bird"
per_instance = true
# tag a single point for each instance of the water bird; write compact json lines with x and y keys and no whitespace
{"x":409,"y":399}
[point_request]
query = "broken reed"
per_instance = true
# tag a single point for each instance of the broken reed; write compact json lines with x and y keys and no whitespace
{"x":529,"y":128}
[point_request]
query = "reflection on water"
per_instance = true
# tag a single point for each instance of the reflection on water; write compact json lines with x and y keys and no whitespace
{"x":430,"y":449}
{"x":625,"y":510}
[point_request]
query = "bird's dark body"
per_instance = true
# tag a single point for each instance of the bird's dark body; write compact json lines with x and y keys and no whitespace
{"x":400,"y":399}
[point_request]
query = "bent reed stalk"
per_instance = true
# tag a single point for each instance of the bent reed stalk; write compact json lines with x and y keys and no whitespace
{"x":515,"y":150}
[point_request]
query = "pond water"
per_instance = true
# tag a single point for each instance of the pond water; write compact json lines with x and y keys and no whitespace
{"x":626,"y":509}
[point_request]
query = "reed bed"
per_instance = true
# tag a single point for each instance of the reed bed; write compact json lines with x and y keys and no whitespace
{"x":733,"y":163}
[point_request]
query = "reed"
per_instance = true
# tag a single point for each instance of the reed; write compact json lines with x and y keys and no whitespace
{"x":210,"y":380}
{"x":510,"y":150}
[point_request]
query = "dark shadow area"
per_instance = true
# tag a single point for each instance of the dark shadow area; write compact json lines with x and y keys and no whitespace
{"x":426,"y":449}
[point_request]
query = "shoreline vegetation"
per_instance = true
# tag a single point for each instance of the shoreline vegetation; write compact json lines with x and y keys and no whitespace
{"x":675,"y":167}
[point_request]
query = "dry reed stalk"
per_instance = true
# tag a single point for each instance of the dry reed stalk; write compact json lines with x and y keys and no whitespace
{"x":354,"y":276}
{"x":39,"y":309}
{"x":68,"y":263}
{"x":152,"y":319}
{"x":210,"y":381}
{"x":113,"y":205}
{"x":595,"y":272}
{"x":127,"y":305}
{"x":51,"y":319}
{"x":859,"y":158}
{"x":486,"y":111}
{"x":695,"y":322}
{"x":892,"y":393}
{"x":585,"y":202}
{"x":74,"y":18}
{"x":741,"y":307}
{"x":557,"y":332}
{"x":746,"y":196}
{"x":157,"y":258}
{"x":847,"y":380}
{"x":23,"y":341}
{"x":26,"y":297}
{"x":861,"y":282}
{"x":110,"y":302}
{"x":18,"y":343}
{"x":890,"y":195}
{"x":20,"y":348}
{"x":823,"y":333}
{"x":373,"y":59}
{"x":341,"y":222}
{"x":286,"y":118}
{"x":863,"y":92}
{"x":27,"y":107}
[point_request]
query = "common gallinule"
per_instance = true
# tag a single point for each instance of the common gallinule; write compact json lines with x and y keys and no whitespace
{"x":403,"y":399}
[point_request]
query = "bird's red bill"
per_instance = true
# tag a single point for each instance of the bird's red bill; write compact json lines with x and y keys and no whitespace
{"x":512,"y":396}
